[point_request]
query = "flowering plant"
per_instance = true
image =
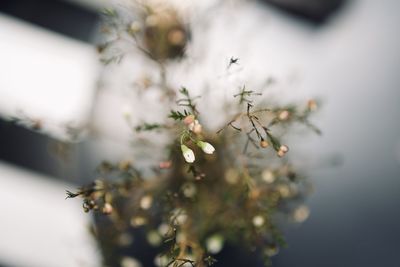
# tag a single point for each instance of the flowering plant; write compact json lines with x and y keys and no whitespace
{"x":215,"y":186}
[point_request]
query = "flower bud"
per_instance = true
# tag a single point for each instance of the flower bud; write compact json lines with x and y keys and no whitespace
{"x":107,"y":209}
{"x":312,"y":105}
{"x":197,"y":129}
{"x":188,"y":119}
{"x":187,"y":154}
{"x":280,"y":153}
{"x":206,"y":147}
{"x":165,"y":164}
{"x":264,"y":144}
{"x":284,"y":148}
{"x":284,"y":115}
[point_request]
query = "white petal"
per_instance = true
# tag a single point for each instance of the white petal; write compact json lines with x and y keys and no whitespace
{"x":187,"y":154}
{"x":207,"y":147}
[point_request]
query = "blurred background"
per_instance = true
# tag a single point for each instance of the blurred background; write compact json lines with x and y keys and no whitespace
{"x":344,"y":52}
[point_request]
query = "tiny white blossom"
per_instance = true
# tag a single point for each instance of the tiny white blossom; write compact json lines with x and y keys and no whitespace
{"x":187,"y":154}
{"x":206,"y":147}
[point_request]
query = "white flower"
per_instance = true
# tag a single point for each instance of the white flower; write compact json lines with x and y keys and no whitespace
{"x":206,"y":147}
{"x":187,"y":154}
{"x":284,"y":115}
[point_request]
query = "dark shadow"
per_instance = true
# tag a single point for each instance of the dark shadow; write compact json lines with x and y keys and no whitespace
{"x":314,"y":11}
{"x":59,"y":16}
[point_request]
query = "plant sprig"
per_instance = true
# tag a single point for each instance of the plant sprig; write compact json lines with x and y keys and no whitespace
{"x":245,"y":94}
{"x":188,"y":101}
{"x":178,"y":115}
{"x":146,"y":127}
